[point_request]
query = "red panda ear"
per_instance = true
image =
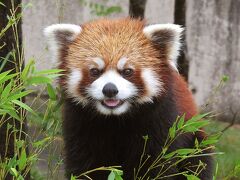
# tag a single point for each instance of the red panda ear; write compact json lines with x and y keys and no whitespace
{"x":166,"y":37}
{"x":60,"y":35}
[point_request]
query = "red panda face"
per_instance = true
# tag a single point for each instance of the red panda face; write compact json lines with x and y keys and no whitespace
{"x":114,"y":65}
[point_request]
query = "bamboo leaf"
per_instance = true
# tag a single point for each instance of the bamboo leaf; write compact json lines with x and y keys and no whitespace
{"x":192,"y":177}
{"x":22,"y":162}
{"x":50,"y":71}
{"x":8,"y":77}
{"x":111,"y":176}
{"x":51,"y":92}
{"x":73,"y":177}
{"x":41,"y":143}
{"x":14,"y":172}
{"x":6,"y":90}
{"x":26,"y":70}
{"x":38,"y":80}
{"x":185,"y":151}
{"x":13,"y":114}
{"x":19,"y":95}
{"x":195,"y":126}
{"x":181,"y":121}
{"x":211,"y":139}
{"x":23,"y":105}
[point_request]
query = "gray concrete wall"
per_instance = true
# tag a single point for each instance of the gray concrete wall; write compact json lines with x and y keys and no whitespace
{"x":213,"y":29}
{"x":159,"y":11}
{"x":47,"y":12}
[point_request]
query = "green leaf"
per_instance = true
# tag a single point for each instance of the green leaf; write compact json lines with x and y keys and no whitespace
{"x":111,"y":176}
{"x":191,"y":177}
{"x":20,"y":177}
{"x":14,"y":172}
{"x":38,"y":80}
{"x":181,"y":121}
{"x":196,"y":143}
{"x":53,"y":76}
{"x":24,"y":106}
{"x":41,"y":143}
{"x":118,"y":177}
{"x":195,"y":126}
{"x":33,"y":158}
{"x":172,"y":131}
{"x":49,"y":124}
{"x":20,"y":143}
{"x":26,"y":70}
{"x":225,"y":78}
{"x":118,"y":172}
{"x":6,"y":90}
{"x":4,"y":76}
{"x":73,"y":177}
{"x":169,"y":155}
{"x":51,"y":92}
{"x":216,"y":172}
{"x":185,"y":151}
{"x":211,"y":139}
{"x":12,"y":162}
{"x":19,"y":95}
{"x":50,"y":71}
{"x":8,"y":77}
{"x":197,"y":117}
{"x":113,"y":9}
{"x":7,"y":106}
{"x":13,"y":114}
{"x":22,"y":162}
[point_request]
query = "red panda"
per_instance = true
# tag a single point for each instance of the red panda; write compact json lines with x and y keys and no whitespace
{"x":120,"y":84}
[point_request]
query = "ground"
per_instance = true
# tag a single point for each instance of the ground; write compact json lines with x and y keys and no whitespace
{"x":229,"y":144}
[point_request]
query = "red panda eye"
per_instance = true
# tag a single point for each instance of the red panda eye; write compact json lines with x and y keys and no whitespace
{"x":95,"y":72}
{"x":127,"y":72}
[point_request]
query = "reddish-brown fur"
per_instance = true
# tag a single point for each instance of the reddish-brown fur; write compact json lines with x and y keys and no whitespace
{"x":112,"y":40}
{"x":184,"y":97}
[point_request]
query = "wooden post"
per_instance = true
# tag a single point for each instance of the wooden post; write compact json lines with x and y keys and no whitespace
{"x":8,"y":43}
{"x":137,"y":8}
{"x":180,"y":18}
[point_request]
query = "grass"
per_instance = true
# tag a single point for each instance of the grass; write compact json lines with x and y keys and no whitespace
{"x":229,"y":144}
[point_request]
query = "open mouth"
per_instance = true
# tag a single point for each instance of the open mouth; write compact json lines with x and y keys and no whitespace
{"x":112,"y":103}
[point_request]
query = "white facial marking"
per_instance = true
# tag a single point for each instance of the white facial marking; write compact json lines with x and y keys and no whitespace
{"x":175,"y":43}
{"x":54,"y":43}
{"x":121,"y":63}
{"x":116,"y":111}
{"x":74,"y":80}
{"x":99,"y":62}
{"x":125,"y":88}
{"x":152,"y":83}
{"x":173,"y":65}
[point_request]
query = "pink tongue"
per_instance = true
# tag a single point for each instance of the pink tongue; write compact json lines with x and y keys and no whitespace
{"x":111,"y":102}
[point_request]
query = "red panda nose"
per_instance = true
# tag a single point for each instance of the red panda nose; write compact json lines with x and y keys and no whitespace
{"x":110,"y":90}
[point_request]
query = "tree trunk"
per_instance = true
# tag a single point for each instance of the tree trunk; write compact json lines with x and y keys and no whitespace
{"x":137,"y":8}
{"x":214,"y":47}
{"x":180,"y":18}
{"x":8,"y":43}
